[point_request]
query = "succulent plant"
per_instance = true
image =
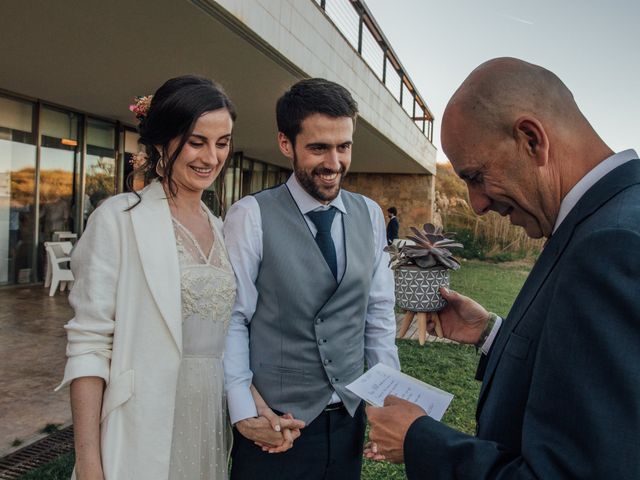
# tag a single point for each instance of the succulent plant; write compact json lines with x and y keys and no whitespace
{"x":431,"y":248}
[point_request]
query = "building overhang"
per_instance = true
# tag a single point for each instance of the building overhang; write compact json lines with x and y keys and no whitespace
{"x":96,"y":56}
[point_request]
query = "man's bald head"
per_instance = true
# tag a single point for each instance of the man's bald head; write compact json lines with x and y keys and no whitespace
{"x":514,"y":133}
{"x":501,"y":90}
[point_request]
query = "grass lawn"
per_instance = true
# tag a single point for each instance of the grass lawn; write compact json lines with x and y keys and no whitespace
{"x":59,"y":469}
{"x":452,"y":367}
{"x":449,"y":367}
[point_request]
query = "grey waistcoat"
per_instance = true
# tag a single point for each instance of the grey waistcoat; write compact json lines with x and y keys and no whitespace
{"x":307,"y":333}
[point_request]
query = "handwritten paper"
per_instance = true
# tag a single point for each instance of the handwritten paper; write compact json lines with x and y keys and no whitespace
{"x":378,"y":382}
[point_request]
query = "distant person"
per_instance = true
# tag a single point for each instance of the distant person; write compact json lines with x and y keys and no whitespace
{"x":54,"y":215}
{"x":88,"y":207}
{"x":152,"y":299}
{"x":393,"y":227}
{"x":560,"y":397}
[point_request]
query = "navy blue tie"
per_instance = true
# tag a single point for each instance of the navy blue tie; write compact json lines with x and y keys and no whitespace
{"x":323,"y":220}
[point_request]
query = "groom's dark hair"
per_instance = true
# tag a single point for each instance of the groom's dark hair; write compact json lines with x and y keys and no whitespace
{"x":313,"y":95}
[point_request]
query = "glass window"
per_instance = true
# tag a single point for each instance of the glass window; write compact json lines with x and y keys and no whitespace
{"x":232,"y":181}
{"x":17,"y":190}
{"x":273,"y":176}
{"x":257,"y":177}
{"x":60,"y":158}
{"x":100,"y":170}
{"x":131,"y":147}
{"x":247,"y":169}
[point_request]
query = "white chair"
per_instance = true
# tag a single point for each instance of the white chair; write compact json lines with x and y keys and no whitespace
{"x":61,"y":236}
{"x":66,"y":249}
{"x":57,"y":255}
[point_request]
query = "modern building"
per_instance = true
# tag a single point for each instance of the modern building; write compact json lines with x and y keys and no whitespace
{"x":69,"y":70}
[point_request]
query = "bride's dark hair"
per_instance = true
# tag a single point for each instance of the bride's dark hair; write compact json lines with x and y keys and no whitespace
{"x":173,"y":113}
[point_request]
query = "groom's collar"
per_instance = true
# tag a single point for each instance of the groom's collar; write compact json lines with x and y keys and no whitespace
{"x":306,"y":203}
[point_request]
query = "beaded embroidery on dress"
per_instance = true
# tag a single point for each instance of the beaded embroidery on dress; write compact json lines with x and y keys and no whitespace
{"x":201,"y":435}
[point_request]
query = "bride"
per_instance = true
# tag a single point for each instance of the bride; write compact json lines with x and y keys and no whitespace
{"x":152,"y":299}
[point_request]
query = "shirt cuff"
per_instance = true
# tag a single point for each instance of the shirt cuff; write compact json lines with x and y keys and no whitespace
{"x":241,"y":404}
{"x":486,"y":345}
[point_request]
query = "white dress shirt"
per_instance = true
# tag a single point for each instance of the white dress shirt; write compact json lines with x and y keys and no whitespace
{"x":243,"y":238}
{"x":569,"y":201}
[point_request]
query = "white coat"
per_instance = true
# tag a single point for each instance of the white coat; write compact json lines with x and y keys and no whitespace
{"x":127,"y":329}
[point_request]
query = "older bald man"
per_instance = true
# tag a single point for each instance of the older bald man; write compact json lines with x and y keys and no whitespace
{"x":560,"y":393}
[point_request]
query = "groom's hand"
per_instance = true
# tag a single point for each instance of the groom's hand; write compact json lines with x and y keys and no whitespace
{"x":389,"y":426}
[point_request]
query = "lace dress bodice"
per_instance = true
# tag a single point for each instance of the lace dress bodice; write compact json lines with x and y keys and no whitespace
{"x":208,"y":291}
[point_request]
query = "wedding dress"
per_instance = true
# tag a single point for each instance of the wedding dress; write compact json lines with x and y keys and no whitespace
{"x":201,"y":434}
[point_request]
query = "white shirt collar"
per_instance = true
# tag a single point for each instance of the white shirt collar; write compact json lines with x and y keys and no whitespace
{"x":589,"y":180}
{"x":306,"y":203}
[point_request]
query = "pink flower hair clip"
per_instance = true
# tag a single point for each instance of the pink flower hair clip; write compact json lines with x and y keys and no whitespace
{"x":141,"y":106}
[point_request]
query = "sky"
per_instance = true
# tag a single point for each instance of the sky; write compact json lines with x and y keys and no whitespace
{"x":592,"y":45}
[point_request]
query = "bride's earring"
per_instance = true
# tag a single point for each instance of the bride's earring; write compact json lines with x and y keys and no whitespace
{"x":160,"y":167}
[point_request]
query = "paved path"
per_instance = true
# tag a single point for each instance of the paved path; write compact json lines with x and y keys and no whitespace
{"x":32,"y":352}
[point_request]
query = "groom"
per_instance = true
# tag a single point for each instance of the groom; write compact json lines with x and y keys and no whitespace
{"x":315,"y":295}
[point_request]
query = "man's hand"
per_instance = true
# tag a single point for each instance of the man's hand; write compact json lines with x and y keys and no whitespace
{"x":463,"y":319}
{"x":272,"y":433}
{"x":389,"y":426}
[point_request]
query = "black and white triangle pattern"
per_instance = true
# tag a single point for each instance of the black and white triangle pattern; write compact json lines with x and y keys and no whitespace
{"x":417,"y":290}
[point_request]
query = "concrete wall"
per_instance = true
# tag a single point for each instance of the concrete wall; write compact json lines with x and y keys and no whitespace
{"x":412,"y":195}
{"x":303,"y":34}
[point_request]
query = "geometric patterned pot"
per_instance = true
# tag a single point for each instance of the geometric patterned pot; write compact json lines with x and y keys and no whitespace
{"x":417,"y":289}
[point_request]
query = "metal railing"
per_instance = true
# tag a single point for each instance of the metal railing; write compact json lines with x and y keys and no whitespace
{"x":356,"y":24}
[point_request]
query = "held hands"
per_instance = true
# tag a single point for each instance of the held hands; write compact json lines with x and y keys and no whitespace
{"x":463,"y":319}
{"x":273,"y":433}
{"x":389,"y":425}
{"x":288,"y":427}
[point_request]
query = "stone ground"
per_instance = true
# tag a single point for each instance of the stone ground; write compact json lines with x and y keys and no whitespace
{"x":32,"y":359}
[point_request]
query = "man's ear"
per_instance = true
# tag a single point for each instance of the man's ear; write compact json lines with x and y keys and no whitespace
{"x":286,"y":147}
{"x":532,"y":138}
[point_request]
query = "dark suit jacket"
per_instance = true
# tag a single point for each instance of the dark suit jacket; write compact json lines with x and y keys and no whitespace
{"x":392,"y":229}
{"x":561,"y":391}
